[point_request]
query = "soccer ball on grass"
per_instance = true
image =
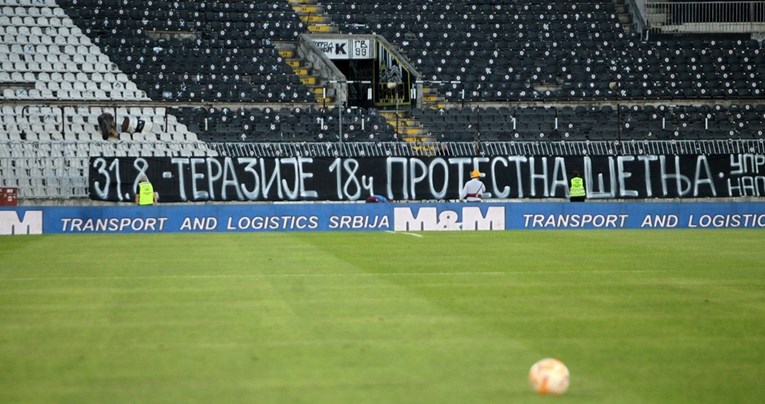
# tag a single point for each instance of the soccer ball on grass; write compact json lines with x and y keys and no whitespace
{"x":549,"y":376}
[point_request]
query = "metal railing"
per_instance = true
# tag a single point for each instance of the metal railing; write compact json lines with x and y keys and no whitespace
{"x":512,"y":148}
{"x":411,"y":149}
{"x":704,"y":16}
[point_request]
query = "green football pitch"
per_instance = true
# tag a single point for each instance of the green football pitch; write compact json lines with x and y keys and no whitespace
{"x":674,"y":316}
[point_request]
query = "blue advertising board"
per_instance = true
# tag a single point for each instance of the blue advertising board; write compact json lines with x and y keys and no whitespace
{"x":266,"y":217}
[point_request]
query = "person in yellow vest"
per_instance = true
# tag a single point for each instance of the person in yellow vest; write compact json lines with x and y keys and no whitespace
{"x":576,"y":191}
{"x":146,"y":194}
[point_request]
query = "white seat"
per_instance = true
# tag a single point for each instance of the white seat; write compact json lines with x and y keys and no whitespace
{"x":47,"y":94}
{"x":59,"y":40}
{"x":87,"y":135}
{"x":21,"y":93}
{"x":59,"y":67}
{"x":46,"y":66}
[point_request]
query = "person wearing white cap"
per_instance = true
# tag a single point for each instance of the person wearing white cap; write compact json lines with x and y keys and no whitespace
{"x":474,"y":188}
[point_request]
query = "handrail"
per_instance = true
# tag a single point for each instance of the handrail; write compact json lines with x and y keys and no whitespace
{"x":706,"y":16}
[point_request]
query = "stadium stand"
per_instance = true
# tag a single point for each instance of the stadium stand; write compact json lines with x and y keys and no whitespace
{"x":553,"y":50}
{"x":221,"y":77}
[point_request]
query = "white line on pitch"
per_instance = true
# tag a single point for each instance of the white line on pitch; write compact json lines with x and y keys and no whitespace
{"x":318,"y":275}
{"x":404,"y":232}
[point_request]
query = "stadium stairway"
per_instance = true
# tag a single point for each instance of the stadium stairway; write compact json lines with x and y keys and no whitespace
{"x":287,"y":50}
{"x":406,"y":126}
{"x":313,"y":16}
{"x":623,"y":15}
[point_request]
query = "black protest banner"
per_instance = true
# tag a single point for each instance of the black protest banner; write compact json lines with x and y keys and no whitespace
{"x":198,"y":179}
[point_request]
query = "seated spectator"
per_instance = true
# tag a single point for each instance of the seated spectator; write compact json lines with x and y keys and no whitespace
{"x":108,"y":127}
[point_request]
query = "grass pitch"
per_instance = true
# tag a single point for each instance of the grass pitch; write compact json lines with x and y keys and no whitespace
{"x":638,"y":316}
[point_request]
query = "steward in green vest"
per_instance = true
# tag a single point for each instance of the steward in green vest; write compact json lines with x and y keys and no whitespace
{"x":146,"y":194}
{"x":576,"y":191}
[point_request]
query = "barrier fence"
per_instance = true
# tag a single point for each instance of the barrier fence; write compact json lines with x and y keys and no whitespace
{"x":704,"y":16}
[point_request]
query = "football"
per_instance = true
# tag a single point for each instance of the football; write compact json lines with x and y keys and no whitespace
{"x":549,"y":376}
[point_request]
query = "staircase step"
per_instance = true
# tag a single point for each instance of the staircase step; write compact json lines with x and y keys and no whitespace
{"x":323,"y":28}
{"x":287,"y":53}
{"x":313,"y":19}
{"x":410,"y":131}
{"x":308,"y":80}
{"x":306,"y":9}
{"x":300,"y":71}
